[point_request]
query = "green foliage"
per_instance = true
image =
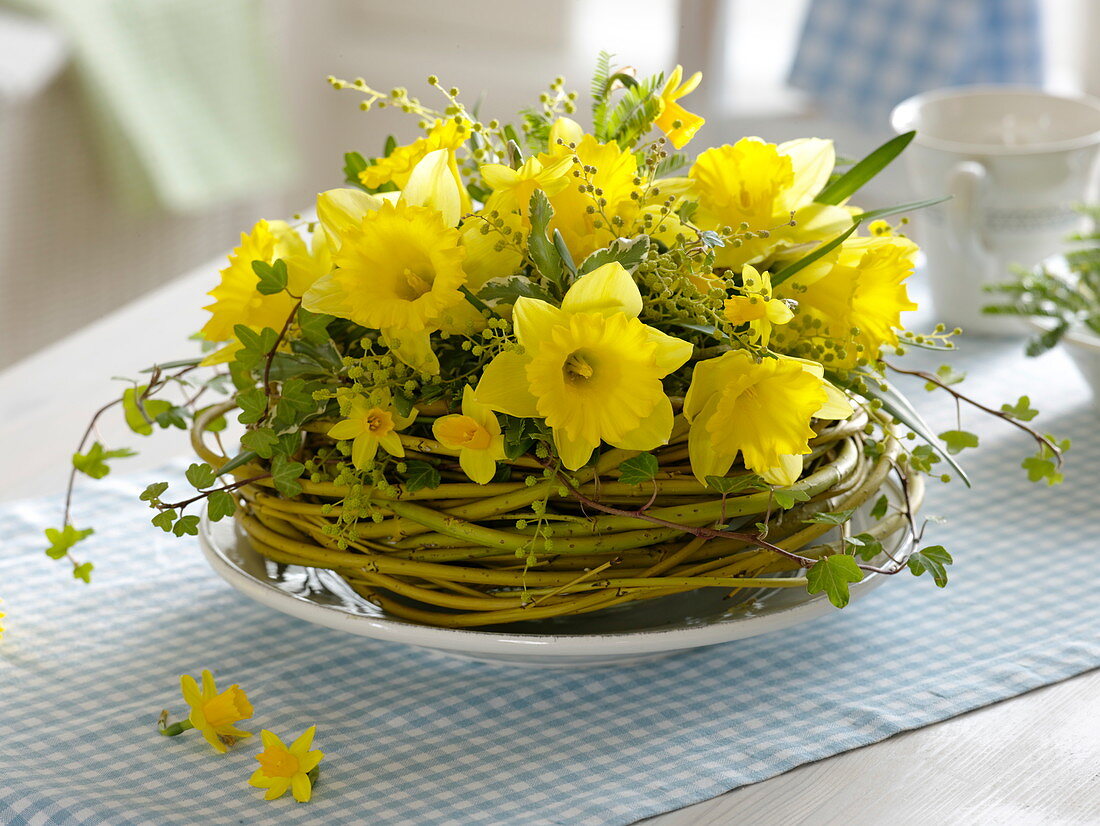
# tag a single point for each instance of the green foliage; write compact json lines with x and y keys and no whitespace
{"x":420,"y":475}
{"x":947,"y":376}
{"x":832,"y":574}
{"x":564,"y":254}
{"x":831,"y":517}
{"x":851,"y":181}
{"x":544,"y":254}
{"x":262,"y":440}
{"x":922,"y":457}
{"x":787,"y":498}
{"x":253,"y":403}
{"x":254,"y":346}
{"x":1044,"y":466}
{"x":866,"y":547}
{"x":639,"y":469}
{"x":959,"y":440}
{"x":1022,"y":410}
{"x":140,"y":413}
{"x":630,"y":252}
{"x":273,"y":276}
{"x":629,"y":119}
{"x":803,"y":262}
{"x":726,"y":485}
{"x":513,"y":288}
{"x":220,"y":504}
{"x":879,"y":510}
{"x":285,"y":475}
{"x":314,"y":326}
{"x":200,"y":475}
{"x":152,"y":492}
{"x":83,"y":571}
{"x":164,"y":520}
{"x":94,"y":462}
{"x":186,"y":526}
{"x":61,"y":540}
{"x":518,"y":435}
{"x":934,"y":560}
{"x":354,"y":163}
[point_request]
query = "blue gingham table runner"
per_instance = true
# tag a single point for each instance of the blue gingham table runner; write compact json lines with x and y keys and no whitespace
{"x":415,"y":737}
{"x":861,"y":57}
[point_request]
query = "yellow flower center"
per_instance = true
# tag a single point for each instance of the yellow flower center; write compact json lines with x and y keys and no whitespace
{"x":417,"y":285}
{"x":462,"y":431}
{"x":278,"y":762}
{"x":577,"y":368}
{"x":378,"y":421}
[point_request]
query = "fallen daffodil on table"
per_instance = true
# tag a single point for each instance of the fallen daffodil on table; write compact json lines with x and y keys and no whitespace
{"x":214,"y":714}
{"x":283,"y":767}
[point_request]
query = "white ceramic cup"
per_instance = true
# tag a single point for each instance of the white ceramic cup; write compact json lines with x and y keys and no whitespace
{"x":1015,"y":161}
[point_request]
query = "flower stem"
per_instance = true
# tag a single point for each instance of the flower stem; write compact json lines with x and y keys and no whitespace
{"x":176,"y":728}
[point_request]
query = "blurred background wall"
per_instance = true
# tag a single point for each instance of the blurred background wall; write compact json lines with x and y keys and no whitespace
{"x":77,"y":242}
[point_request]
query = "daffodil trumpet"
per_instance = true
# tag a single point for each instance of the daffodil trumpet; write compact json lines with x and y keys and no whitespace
{"x":514,"y":373}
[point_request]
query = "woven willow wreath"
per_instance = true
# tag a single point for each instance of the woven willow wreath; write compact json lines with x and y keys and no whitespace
{"x":448,"y":556}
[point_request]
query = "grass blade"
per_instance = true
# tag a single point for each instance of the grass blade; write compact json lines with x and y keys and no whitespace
{"x":849,"y":183}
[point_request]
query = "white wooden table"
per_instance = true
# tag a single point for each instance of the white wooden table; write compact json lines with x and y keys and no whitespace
{"x":1032,"y":759}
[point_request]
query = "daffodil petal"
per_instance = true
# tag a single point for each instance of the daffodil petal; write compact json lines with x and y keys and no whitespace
{"x":307,"y":762}
{"x":498,"y":176}
{"x":270,"y":740}
{"x":653,"y":430}
{"x":790,"y":468}
{"x":813,"y":160}
{"x":340,"y":209}
{"x":706,"y":459}
{"x":363,"y":450}
{"x":567,"y":130}
{"x":479,"y":465}
{"x":504,"y":387}
{"x":209,"y":688}
{"x":301,"y":788}
{"x":391,"y":443}
{"x":190,"y":690}
{"x":414,"y":348}
{"x":533,"y":320}
{"x":212,"y":738}
{"x":325,"y":295}
{"x":574,"y":453}
{"x":433,"y":184}
{"x":259,"y":780}
{"x":837,"y":406}
{"x":671,"y":352}
{"x":606,"y":290}
{"x":278,"y":788}
{"x":302,"y":743}
{"x":347,"y":429}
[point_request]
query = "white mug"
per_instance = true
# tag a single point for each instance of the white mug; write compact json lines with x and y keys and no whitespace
{"x":1015,"y":161}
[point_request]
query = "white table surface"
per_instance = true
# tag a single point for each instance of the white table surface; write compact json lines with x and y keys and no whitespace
{"x":1034,"y":759}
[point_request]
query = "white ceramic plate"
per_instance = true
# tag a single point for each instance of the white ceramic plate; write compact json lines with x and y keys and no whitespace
{"x":631,"y":633}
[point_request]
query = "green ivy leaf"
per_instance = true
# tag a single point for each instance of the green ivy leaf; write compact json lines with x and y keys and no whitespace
{"x":726,"y":485}
{"x":786,"y":498}
{"x":252,"y":404}
{"x":186,"y":525}
{"x":831,"y":517}
{"x":296,"y":395}
{"x":200,"y":475}
{"x":420,"y":475}
{"x":866,"y":546}
{"x":517,"y":437}
{"x":285,"y":474}
{"x":262,"y":441}
{"x":922,"y":457}
{"x":1039,"y":469}
{"x":62,"y":540}
{"x":832,"y":574}
{"x":314,"y":326}
{"x":273,"y":276}
{"x":513,"y":288}
{"x":959,"y":440}
{"x":174,"y":416}
{"x":133,"y":414}
{"x":94,"y":462}
{"x":254,"y":346}
{"x":153,"y":492}
{"x":1022,"y":410}
{"x":881,"y":505}
{"x":83,"y":571}
{"x":164,"y":520}
{"x":639,"y":469}
{"x":934,"y":560}
{"x":947,"y":375}
{"x":220,"y":504}
{"x":402,"y":403}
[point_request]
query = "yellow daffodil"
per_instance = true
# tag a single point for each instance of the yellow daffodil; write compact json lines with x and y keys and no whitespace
{"x":448,"y":135}
{"x":761,"y":185}
{"x":475,"y":434}
{"x":370,"y":426}
{"x":761,"y":410}
{"x":755,"y":306}
{"x":674,"y":120}
{"x":583,"y":217}
{"x":283,"y":768}
{"x":214,"y":714}
{"x":489,"y":252}
{"x":590,"y":368}
{"x":863,"y":291}
{"x":564,"y":131}
{"x":236,"y":299}
{"x":513,"y":188}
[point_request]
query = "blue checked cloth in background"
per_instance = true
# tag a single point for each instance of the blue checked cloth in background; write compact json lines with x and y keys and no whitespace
{"x":414,"y":737}
{"x":859,"y":58}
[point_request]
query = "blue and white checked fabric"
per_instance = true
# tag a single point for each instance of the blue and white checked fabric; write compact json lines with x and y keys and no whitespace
{"x":861,"y":57}
{"x":414,"y":737}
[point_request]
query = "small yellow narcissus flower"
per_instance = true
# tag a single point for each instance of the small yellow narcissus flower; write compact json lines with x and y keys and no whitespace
{"x":370,"y":427}
{"x":756,"y":307}
{"x":283,"y":768}
{"x":475,"y":434}
{"x":513,"y":188}
{"x":672,"y":113}
{"x":214,"y":714}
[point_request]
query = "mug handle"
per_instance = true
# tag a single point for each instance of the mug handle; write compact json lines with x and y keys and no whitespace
{"x":967,"y":183}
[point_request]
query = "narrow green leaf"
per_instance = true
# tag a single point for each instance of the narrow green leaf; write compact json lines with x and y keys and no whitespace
{"x":912,"y":206}
{"x":850,"y":182}
{"x":789,"y":270}
{"x":543,"y":252}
